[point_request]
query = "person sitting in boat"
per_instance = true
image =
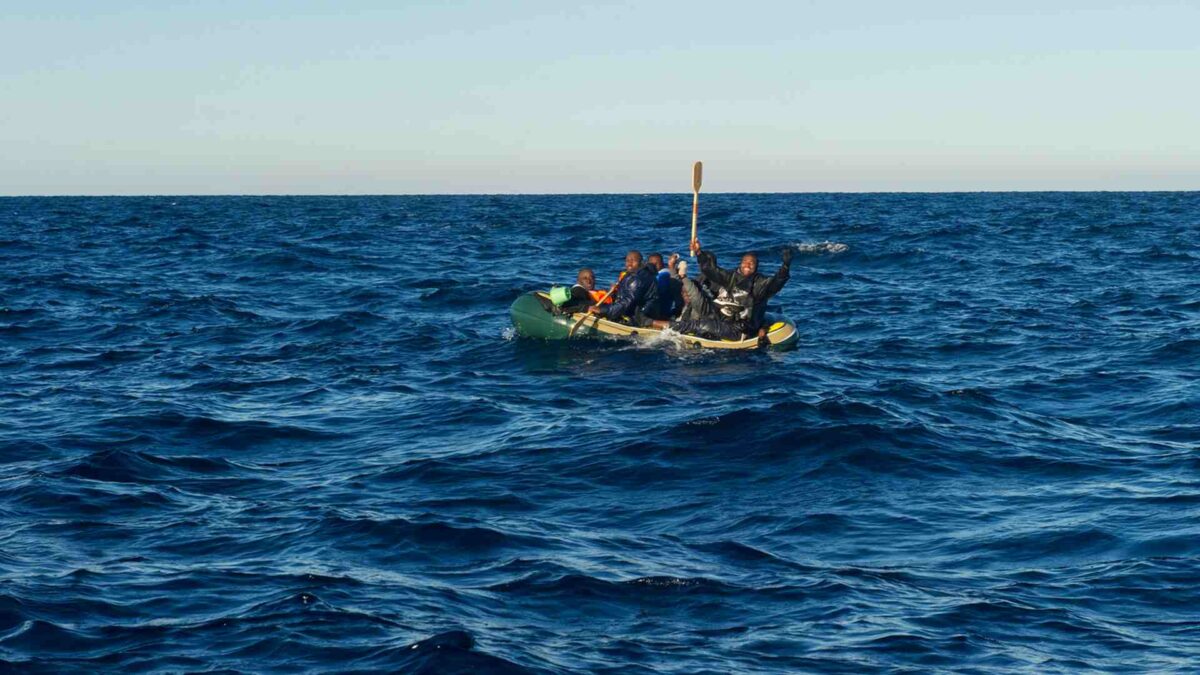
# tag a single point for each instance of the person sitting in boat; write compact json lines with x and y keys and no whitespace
{"x":738,"y":308}
{"x":669,"y":289}
{"x":679,"y":269}
{"x":636,"y":290}
{"x":584,"y":293}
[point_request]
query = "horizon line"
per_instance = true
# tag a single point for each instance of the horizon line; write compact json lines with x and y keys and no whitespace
{"x":575,"y":194}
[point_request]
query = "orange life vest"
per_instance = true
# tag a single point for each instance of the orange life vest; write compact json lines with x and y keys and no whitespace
{"x":598,"y":297}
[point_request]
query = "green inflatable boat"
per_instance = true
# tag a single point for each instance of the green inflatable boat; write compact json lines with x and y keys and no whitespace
{"x":532,"y":317}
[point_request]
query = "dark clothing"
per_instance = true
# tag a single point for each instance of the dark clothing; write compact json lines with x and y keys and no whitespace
{"x":669,"y":300}
{"x":580,"y":300}
{"x":738,"y":304}
{"x":703,"y":318}
{"x":636,"y":291}
{"x":676,"y":291}
{"x":741,"y":299}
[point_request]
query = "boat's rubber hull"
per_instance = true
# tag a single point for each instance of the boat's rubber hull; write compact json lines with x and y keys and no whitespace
{"x":531,"y":319}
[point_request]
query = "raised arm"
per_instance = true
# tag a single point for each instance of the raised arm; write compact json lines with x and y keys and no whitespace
{"x":769,"y":286}
{"x":709,"y":269}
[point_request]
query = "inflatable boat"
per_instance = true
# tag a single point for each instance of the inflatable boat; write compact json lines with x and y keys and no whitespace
{"x":534,"y":316}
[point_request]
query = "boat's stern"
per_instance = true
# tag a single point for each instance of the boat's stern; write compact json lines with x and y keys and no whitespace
{"x":782,"y":333}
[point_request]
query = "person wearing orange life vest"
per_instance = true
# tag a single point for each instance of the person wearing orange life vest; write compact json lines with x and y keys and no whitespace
{"x":584,"y":293}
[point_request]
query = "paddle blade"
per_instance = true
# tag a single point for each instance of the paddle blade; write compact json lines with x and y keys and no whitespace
{"x":697,"y":174}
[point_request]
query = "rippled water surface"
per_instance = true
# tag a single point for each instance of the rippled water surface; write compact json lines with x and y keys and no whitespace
{"x":281,"y":434}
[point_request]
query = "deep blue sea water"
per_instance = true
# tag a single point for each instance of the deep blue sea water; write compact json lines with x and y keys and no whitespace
{"x":297,"y":434}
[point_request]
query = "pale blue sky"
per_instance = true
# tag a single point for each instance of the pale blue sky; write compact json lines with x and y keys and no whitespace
{"x":358,"y":97}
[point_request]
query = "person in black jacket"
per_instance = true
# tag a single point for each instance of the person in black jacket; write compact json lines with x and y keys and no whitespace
{"x":636,"y":291}
{"x":738,"y":306}
{"x":581,"y":292}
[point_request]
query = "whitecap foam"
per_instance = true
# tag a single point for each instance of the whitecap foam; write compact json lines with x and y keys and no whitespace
{"x":821,"y":247}
{"x":664,"y":338}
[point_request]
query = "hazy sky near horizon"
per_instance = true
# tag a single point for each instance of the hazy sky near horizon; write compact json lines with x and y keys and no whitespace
{"x":362,"y":97}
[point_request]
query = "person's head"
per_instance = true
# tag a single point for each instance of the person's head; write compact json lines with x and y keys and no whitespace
{"x":655,"y":260}
{"x":749,"y":264}
{"x":587,"y":279}
{"x":633,"y":260}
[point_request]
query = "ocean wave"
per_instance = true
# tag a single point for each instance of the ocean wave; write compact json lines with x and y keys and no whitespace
{"x":93,"y":362}
{"x":242,"y":386}
{"x":245,"y":633}
{"x":197,"y":307}
{"x":1058,"y":544}
{"x":502,"y":503}
{"x":346,"y":322}
{"x":120,"y":465}
{"x":449,"y":652}
{"x":585,"y":586}
{"x":386,"y":535}
{"x":77,"y":506}
{"x":231,"y":434}
{"x":856,"y":431}
{"x":283,"y":261}
{"x":739,"y":552}
{"x":1176,"y":348}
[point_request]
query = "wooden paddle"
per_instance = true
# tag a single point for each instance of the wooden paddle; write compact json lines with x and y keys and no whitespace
{"x":697,"y":174}
{"x":586,"y":315}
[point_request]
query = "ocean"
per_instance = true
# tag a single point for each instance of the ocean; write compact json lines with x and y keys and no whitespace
{"x":298,"y":434}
